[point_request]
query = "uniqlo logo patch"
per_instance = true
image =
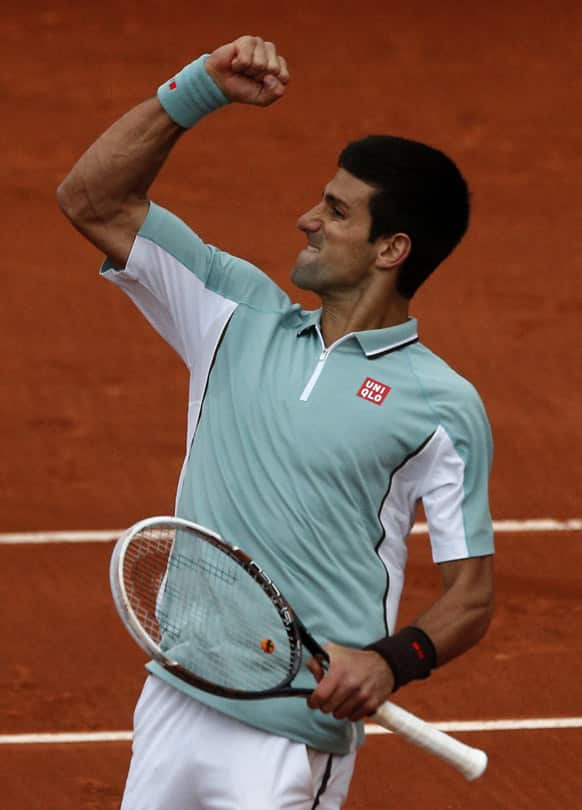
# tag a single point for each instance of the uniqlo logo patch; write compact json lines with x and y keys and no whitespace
{"x":374,"y":391}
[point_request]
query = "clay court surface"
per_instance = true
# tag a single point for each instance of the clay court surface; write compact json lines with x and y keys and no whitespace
{"x":93,"y":403}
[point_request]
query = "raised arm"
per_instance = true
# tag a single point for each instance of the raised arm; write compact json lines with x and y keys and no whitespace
{"x":105,"y":194}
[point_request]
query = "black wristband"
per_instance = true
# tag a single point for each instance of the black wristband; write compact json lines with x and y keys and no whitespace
{"x":409,"y":653}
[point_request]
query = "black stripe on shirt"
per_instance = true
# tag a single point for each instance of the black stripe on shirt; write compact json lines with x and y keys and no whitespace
{"x":213,"y":361}
{"x":405,"y":461}
{"x":383,"y":352}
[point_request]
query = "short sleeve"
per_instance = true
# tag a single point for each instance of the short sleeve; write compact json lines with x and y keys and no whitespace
{"x":184,"y":287}
{"x":455,"y":489}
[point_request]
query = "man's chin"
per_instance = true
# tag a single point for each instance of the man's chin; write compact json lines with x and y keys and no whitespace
{"x":306,"y":273}
{"x":304,"y":277}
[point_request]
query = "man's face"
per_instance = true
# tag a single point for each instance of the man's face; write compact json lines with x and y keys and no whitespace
{"x":338,"y":255}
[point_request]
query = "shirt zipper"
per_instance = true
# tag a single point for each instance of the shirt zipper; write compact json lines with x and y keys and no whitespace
{"x":320,"y":364}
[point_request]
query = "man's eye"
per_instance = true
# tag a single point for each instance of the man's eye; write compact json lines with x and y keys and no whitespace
{"x":333,"y":209}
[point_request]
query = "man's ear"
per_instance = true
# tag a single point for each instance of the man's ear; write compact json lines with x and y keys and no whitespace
{"x":393,"y":250}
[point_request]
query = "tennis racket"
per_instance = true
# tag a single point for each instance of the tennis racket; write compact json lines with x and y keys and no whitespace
{"x":211,"y":616}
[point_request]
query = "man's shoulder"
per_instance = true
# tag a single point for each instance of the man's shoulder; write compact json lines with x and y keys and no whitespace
{"x":221,"y":272}
{"x":454,"y":402}
{"x":446,"y":388}
{"x":240,"y":279}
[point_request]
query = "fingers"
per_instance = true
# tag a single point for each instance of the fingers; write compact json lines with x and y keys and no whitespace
{"x":356,"y":706}
{"x":249,"y":71}
{"x":276,"y":65}
{"x":315,"y":668}
{"x":343,"y":699}
{"x":330,"y":693}
{"x":257,"y":59}
{"x":354,"y":686}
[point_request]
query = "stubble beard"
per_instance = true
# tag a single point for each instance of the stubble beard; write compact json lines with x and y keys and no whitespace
{"x":307,"y":275}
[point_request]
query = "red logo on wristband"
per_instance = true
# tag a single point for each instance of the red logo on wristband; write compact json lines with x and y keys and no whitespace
{"x":173,"y":85}
{"x":418,"y":650}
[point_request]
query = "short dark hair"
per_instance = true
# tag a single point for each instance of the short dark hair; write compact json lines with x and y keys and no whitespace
{"x":421,"y":192}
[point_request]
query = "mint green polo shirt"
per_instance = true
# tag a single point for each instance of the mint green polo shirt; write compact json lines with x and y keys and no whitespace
{"x":310,"y":458}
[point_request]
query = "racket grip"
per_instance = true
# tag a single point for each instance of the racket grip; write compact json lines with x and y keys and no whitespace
{"x":470,"y":762}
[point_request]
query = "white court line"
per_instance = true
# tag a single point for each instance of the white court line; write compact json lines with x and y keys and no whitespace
{"x":533,"y":525}
{"x":65,"y":737}
{"x":452,"y":726}
{"x":108,"y":535}
{"x":26,"y":538}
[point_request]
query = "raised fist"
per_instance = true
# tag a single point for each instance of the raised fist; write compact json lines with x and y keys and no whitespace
{"x":249,"y":70}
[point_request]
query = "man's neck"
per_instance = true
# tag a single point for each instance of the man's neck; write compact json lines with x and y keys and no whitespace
{"x":339,"y":318}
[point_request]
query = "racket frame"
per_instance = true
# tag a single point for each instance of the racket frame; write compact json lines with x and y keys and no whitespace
{"x":297,"y":634}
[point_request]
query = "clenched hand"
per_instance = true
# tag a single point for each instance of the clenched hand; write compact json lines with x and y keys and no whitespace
{"x":249,"y":70}
{"x":355,"y":685}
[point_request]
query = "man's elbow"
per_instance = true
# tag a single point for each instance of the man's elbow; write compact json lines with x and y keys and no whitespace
{"x":482,"y":615}
{"x":72,"y":203}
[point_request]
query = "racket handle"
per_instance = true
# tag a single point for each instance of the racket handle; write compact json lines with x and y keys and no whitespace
{"x":470,"y":762}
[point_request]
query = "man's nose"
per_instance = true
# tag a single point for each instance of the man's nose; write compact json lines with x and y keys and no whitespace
{"x":310,"y":221}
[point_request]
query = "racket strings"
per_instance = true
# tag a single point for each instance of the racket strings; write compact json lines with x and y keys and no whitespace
{"x":205,"y":611}
{"x":144,"y":570}
{"x":205,"y":566}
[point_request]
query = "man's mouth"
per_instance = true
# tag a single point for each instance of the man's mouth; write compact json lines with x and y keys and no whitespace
{"x":312,"y":247}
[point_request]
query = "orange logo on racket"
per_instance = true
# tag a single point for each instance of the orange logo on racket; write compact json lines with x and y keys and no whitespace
{"x":268,"y":646}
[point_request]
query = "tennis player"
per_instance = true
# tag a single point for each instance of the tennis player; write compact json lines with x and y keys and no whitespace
{"x":312,"y":436}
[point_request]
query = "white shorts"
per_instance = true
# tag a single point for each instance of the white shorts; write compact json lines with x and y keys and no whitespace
{"x":187,"y":756}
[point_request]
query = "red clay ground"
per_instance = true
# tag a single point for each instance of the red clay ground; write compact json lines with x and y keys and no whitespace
{"x":74,"y":686}
{"x":93,"y":404}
